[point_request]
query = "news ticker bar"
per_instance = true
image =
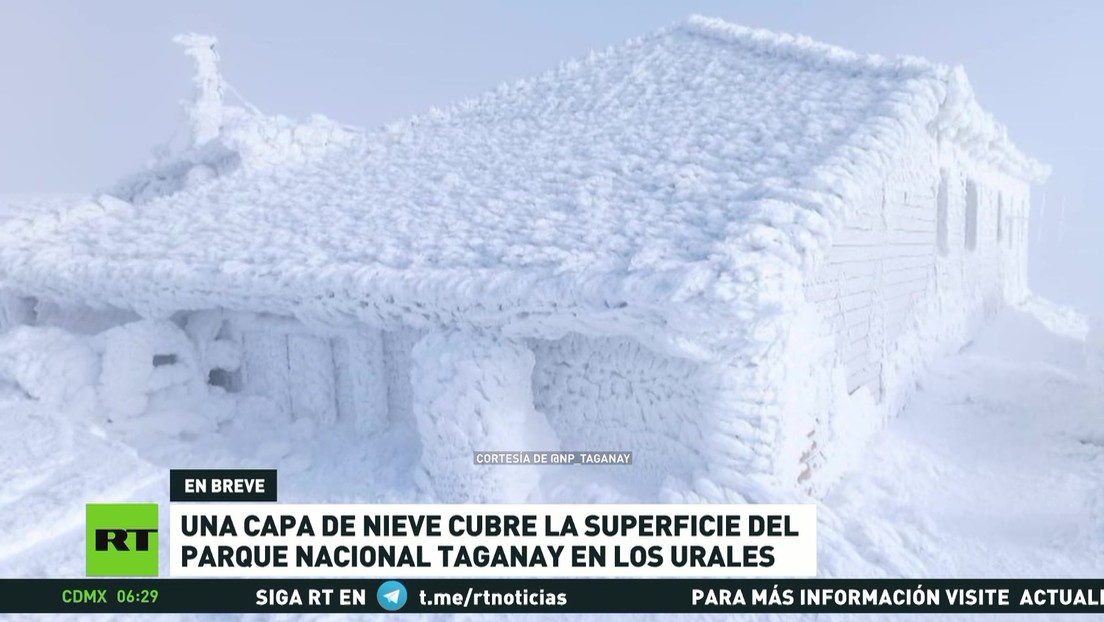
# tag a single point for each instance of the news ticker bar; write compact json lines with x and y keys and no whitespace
{"x":148,"y":596}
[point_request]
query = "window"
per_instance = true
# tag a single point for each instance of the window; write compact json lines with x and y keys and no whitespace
{"x":971,"y":215}
{"x":941,"y":213}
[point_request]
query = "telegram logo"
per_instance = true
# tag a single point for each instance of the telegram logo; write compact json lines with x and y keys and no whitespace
{"x":391,"y":595}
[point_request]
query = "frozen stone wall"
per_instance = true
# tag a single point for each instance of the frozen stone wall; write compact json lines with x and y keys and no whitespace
{"x":612,"y":394}
{"x":472,"y":392}
{"x":927,"y":257}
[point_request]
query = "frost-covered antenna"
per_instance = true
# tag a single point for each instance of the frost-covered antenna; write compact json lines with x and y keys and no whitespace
{"x":205,"y":110}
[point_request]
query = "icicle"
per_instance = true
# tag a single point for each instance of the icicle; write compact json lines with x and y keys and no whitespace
{"x":205,"y":111}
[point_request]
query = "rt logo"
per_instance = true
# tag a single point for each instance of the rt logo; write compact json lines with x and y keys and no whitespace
{"x":121,"y":539}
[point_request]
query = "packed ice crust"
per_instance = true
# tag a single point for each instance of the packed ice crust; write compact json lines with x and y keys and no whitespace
{"x":651,"y":189}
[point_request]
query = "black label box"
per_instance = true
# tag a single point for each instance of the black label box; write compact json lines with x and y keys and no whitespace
{"x":222,"y":485}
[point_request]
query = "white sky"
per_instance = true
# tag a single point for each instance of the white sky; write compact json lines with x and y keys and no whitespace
{"x":88,"y":88}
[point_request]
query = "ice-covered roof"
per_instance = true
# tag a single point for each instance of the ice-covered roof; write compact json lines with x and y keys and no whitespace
{"x":649,"y":189}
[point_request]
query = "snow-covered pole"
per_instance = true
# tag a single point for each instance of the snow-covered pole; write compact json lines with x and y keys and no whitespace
{"x":205,"y":110}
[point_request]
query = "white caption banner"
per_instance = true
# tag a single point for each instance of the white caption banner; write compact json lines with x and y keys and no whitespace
{"x":459,"y":540}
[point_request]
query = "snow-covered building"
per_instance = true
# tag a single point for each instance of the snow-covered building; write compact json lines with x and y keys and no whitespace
{"x":726,"y":250}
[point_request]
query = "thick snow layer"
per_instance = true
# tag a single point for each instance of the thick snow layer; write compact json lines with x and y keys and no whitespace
{"x":146,"y":363}
{"x":247,"y":141}
{"x":48,"y":364}
{"x":225,"y":139}
{"x":472,"y":393}
{"x":994,"y":470}
{"x":614,"y":395}
{"x":683,"y":176}
{"x":996,"y":467}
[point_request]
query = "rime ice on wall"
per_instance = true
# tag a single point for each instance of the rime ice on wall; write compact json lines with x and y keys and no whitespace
{"x":398,"y":346}
{"x":472,"y":392}
{"x":313,"y":387}
{"x":614,"y":395}
{"x":361,"y":377}
{"x":912,"y":275}
{"x":265,"y":370}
